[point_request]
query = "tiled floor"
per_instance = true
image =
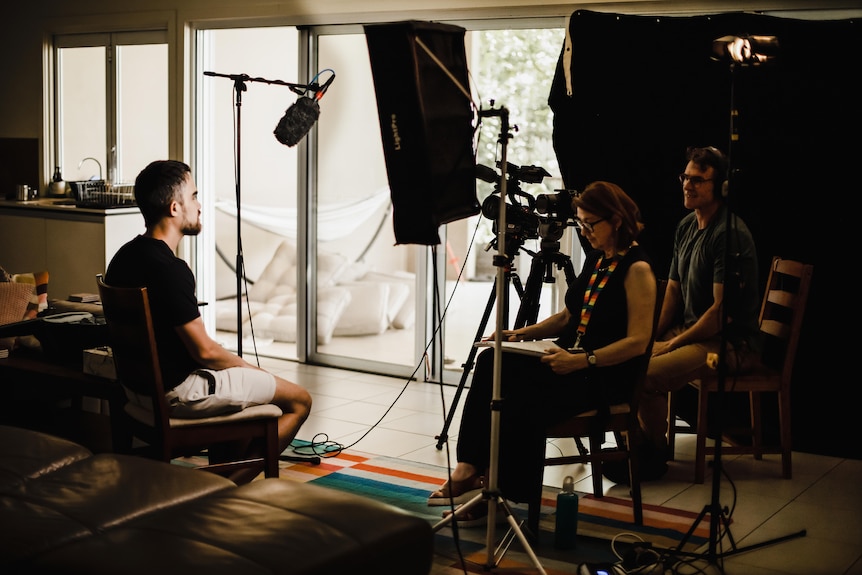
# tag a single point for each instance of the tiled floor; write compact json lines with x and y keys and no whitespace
{"x":386,"y":416}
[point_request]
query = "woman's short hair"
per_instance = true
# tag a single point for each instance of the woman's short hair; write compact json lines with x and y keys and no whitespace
{"x":608,"y":200}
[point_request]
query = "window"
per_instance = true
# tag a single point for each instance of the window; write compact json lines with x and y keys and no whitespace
{"x":236,"y":115}
{"x":111,"y":105}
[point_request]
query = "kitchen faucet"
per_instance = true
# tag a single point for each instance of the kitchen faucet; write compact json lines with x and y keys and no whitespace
{"x":97,"y":163}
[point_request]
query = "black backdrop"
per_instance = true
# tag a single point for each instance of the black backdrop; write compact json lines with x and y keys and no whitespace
{"x":644,"y":88}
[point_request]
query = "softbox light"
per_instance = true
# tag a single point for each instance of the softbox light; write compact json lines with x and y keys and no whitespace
{"x":426,"y":123}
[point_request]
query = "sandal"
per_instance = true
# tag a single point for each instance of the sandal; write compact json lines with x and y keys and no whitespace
{"x":460,"y":492}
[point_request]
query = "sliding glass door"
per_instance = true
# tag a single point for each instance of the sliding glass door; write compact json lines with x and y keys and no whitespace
{"x":248,"y":182}
{"x":451,"y":285}
{"x":324,"y":280}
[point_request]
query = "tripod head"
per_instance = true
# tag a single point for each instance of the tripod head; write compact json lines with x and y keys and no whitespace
{"x":514,"y":244}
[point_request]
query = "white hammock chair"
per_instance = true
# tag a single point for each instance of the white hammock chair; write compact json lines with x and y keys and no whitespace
{"x":334,"y":221}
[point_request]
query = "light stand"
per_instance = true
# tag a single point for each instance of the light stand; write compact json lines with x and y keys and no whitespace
{"x":741,"y":51}
{"x":491,"y":493}
{"x":239,"y":81}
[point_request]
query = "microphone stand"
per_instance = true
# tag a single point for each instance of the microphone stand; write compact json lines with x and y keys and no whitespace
{"x":239,"y":84}
{"x":491,"y":492}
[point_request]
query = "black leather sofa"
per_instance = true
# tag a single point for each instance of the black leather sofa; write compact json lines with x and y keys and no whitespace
{"x":64,"y":510}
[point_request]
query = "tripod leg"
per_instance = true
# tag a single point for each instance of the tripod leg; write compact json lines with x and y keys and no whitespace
{"x":493,"y":503}
{"x":516,"y":283}
{"x":515,"y":528}
{"x":528,"y":313}
{"x":712,"y":557}
{"x":459,"y":511}
{"x":568,"y":270}
{"x":443,"y":437}
{"x":691,"y":529}
{"x":467,"y":368}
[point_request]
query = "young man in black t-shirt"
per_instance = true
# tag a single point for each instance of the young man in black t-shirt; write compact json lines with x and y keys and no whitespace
{"x":201,"y":377}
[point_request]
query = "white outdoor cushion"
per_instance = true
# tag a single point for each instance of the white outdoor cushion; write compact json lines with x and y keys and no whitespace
{"x":366,"y":314}
{"x":405,"y":315}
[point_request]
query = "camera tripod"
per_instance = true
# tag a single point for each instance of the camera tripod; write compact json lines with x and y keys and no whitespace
{"x":541,"y":271}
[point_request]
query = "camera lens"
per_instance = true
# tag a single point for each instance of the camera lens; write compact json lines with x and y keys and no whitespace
{"x":491,"y":207}
{"x":559,"y":204}
{"x":546,"y":203}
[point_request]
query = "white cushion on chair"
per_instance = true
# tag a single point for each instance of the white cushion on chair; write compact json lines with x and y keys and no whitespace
{"x":144,"y":415}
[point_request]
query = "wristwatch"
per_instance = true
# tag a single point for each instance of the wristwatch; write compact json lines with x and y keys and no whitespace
{"x":591,"y":359}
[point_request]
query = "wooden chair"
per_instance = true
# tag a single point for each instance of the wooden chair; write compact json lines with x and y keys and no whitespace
{"x":781,"y":313}
{"x":146,"y":414}
{"x":623,"y":423}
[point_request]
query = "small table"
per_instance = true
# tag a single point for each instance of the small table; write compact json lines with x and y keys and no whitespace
{"x":29,"y":380}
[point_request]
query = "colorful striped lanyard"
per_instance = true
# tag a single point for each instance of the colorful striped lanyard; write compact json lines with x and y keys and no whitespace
{"x":591,"y":294}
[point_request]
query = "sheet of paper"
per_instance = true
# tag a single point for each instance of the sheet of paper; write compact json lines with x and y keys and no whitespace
{"x":537,"y":347}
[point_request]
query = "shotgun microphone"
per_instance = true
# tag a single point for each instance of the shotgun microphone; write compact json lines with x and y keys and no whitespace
{"x":300,"y":117}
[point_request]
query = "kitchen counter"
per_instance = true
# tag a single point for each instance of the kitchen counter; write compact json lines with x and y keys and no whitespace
{"x":65,"y":206}
{"x":72,"y":244}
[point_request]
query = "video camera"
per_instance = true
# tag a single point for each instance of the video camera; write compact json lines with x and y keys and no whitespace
{"x":527,"y":217}
{"x":557,"y":211}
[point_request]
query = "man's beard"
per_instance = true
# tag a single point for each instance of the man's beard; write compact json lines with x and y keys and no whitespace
{"x":191,"y":229}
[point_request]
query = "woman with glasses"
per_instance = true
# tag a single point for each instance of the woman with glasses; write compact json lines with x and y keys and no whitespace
{"x":604,"y":328}
{"x":690,"y":326}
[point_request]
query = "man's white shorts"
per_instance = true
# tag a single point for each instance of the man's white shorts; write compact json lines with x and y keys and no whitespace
{"x":209,"y":392}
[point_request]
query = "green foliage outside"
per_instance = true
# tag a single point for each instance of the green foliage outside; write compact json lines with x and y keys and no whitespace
{"x":514,"y":69}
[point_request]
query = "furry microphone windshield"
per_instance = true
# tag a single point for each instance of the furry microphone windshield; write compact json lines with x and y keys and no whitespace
{"x":297,"y":121}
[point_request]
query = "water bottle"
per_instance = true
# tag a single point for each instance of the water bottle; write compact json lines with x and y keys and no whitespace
{"x":566,"y":524}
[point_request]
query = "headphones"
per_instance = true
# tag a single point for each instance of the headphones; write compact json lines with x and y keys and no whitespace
{"x":719,"y":164}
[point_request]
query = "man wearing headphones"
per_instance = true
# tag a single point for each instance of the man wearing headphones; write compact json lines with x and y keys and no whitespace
{"x":714,"y":260}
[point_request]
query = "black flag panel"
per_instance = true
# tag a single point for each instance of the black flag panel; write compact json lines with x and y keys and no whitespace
{"x":640,"y":89}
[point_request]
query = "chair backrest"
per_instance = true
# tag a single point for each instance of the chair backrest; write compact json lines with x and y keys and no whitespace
{"x":782,"y":311}
{"x":133,"y":345}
